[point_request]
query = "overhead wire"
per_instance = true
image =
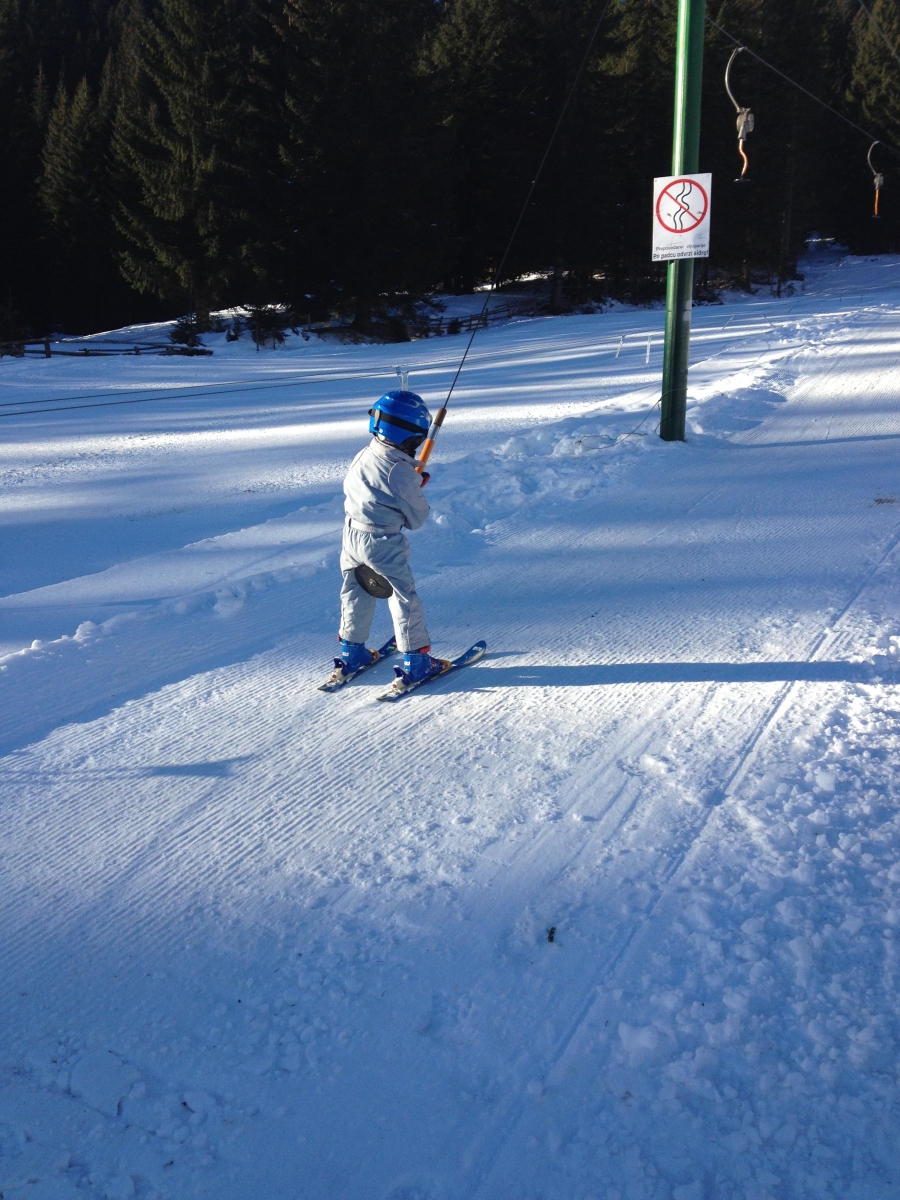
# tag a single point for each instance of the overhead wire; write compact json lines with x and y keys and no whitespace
{"x":236,"y":387}
{"x":233,"y":387}
{"x":438,"y":421}
{"x":195,"y":390}
{"x":25,"y":407}
{"x":496,"y":277}
{"x":201,"y":390}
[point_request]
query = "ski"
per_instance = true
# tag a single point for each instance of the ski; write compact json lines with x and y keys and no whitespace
{"x":398,"y":688}
{"x":338,"y":680}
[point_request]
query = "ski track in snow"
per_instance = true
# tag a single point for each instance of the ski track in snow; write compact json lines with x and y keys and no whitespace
{"x":260,"y":941}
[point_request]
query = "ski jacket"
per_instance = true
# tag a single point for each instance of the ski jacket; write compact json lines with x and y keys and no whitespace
{"x":383,"y":490}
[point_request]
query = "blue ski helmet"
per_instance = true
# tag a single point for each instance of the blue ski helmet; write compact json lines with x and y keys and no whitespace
{"x":399,"y":416}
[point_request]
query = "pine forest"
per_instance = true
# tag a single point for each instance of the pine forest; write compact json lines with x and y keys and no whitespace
{"x":349,"y":157}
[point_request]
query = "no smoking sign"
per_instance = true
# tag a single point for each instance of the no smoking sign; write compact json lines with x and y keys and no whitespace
{"x":681,"y":217}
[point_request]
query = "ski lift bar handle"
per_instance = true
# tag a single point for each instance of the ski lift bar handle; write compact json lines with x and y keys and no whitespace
{"x":735,"y":53}
{"x":428,"y":444}
{"x":869,"y":157}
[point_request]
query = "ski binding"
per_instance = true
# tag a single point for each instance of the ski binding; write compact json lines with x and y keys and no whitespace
{"x":337,"y":679}
{"x":400,"y":688}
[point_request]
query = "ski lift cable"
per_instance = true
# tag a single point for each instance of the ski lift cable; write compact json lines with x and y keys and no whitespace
{"x":799,"y":86}
{"x":187,"y":392}
{"x":881,"y":33}
{"x":234,"y":387}
{"x":428,"y":444}
{"x":228,"y":387}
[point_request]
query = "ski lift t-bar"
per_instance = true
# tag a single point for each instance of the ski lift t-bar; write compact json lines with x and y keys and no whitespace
{"x":434,"y":430}
{"x":877,"y":178}
{"x":744,"y":115}
{"x":428,"y":444}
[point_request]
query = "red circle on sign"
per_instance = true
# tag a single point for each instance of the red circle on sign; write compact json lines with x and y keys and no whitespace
{"x":688,"y":217}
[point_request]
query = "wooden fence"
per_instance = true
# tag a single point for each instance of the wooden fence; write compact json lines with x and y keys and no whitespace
{"x":99,"y":347}
{"x":45,"y":348}
{"x":436,"y":326}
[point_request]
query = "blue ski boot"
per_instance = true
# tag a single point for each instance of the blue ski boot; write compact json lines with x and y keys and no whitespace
{"x":419,"y":665}
{"x":354,"y":656}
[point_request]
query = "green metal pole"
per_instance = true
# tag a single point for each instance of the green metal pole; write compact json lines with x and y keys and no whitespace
{"x":685,"y":161}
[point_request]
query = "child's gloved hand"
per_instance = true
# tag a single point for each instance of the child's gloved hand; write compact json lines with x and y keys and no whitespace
{"x":425,"y":478}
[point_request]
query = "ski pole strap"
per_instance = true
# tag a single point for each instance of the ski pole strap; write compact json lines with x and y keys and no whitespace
{"x":428,"y":444}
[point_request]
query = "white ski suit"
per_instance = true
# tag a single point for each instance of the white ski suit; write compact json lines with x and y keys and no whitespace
{"x":383,"y":495}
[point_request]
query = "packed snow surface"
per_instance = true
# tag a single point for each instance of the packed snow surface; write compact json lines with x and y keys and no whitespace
{"x":612,"y":915}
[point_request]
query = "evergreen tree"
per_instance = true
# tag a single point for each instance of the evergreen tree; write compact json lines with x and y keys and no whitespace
{"x":874,"y":88}
{"x":20,"y":249}
{"x":46,"y":48}
{"x":71,"y":191}
{"x":190,"y":131}
{"x":875,"y":80}
{"x":361,"y":150}
{"x":503,"y":69}
{"x":636,"y":139}
{"x":335,"y":152}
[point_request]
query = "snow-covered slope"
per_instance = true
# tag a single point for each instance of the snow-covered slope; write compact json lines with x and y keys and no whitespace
{"x":257,"y":941}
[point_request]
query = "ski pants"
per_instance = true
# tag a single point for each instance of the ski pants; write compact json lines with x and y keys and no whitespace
{"x":388,"y":554}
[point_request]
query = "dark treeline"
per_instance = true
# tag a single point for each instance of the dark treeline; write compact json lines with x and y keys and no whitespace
{"x":340,"y":156}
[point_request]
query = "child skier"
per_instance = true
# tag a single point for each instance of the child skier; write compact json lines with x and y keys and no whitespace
{"x":383,"y":496}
